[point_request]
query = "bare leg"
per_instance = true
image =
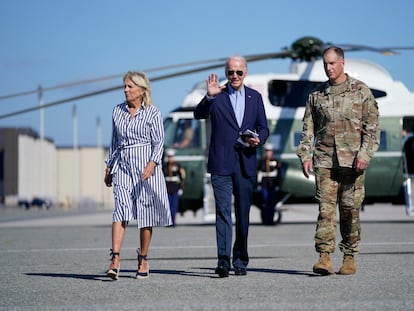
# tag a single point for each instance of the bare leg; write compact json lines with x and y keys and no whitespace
{"x":118,"y":233}
{"x":145,"y":240}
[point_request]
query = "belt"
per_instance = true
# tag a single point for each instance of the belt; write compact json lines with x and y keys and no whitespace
{"x":116,"y":156}
{"x":172,"y":179}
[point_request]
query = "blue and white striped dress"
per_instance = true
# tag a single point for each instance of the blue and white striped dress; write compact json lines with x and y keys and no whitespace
{"x":136,"y":141}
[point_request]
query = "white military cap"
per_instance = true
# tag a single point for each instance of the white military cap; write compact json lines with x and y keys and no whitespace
{"x":268,"y":146}
{"x":170,"y":152}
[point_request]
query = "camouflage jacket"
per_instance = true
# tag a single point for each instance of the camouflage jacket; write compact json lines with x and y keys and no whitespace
{"x":339,"y":128}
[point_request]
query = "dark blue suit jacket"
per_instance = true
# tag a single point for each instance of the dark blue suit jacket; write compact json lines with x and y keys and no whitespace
{"x":225,"y":131}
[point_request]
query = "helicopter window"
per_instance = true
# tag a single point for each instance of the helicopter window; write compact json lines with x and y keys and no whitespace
{"x":296,"y":138}
{"x":294,"y":93}
{"x":383,"y":141}
{"x":378,"y":93}
{"x":185,"y":133}
{"x":169,"y":130}
{"x":290,"y":93}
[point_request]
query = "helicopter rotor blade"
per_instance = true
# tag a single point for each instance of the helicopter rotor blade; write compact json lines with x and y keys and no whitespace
{"x":59,"y":102}
{"x":110,"y":77}
{"x":303,"y":49}
{"x":384,"y":50}
{"x":249,"y":58}
{"x":106,"y":90}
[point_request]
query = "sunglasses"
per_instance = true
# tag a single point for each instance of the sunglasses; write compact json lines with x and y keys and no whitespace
{"x":231,"y":72}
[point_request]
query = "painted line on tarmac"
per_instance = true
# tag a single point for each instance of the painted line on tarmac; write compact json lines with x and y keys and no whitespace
{"x":189,"y":247}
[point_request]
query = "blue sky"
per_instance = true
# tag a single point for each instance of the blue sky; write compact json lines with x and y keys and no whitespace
{"x":49,"y":43}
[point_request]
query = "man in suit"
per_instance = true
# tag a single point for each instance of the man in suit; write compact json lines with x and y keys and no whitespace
{"x":233,"y":108}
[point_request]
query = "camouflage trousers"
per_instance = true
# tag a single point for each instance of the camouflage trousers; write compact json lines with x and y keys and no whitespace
{"x":344,"y":188}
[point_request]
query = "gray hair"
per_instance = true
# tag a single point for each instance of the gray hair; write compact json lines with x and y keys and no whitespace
{"x":236,"y":57}
{"x":339,"y":52}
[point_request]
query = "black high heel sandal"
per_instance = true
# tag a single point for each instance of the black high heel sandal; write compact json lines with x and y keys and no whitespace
{"x":113,"y":273}
{"x":141,"y":275}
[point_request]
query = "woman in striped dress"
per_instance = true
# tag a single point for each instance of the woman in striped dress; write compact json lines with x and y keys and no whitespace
{"x":134,"y":168}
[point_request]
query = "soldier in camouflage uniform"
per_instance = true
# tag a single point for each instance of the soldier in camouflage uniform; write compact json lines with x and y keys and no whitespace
{"x":340,"y":136}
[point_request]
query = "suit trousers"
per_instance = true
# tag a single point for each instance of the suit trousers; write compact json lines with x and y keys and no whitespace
{"x":224,"y":186}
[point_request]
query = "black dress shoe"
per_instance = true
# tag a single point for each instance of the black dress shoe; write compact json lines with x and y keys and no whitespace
{"x":240,"y":271}
{"x":222,"y":271}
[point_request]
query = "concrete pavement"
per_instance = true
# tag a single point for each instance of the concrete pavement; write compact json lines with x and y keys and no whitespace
{"x":292,"y":213}
{"x":55,"y":260}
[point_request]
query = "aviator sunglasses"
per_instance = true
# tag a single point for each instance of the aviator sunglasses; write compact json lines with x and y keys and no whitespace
{"x":231,"y":72}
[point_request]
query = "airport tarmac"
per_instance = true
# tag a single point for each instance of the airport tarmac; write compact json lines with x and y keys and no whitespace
{"x":291,"y":213}
{"x":56,"y":259}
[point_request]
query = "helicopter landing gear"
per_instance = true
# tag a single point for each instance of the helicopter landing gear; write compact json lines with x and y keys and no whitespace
{"x":278,"y":216}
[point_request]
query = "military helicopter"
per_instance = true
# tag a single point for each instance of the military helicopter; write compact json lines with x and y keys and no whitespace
{"x":284,"y":97}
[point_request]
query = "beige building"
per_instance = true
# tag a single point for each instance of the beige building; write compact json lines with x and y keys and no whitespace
{"x":80,"y":175}
{"x":34,"y":168}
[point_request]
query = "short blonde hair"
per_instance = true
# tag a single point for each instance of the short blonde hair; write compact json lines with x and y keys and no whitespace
{"x":140,"y":79}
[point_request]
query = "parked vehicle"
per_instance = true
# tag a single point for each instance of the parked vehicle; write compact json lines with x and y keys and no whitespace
{"x":36,"y":202}
{"x":43,"y":203}
{"x":24,"y":203}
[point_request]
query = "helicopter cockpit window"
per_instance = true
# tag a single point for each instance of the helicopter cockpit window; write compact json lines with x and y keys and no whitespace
{"x":293,"y":94}
{"x":183,"y":133}
{"x":290,"y":94}
{"x":378,"y":93}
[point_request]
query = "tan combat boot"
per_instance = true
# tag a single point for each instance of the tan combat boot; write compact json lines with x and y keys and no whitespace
{"x":348,"y":266}
{"x":324,"y":265}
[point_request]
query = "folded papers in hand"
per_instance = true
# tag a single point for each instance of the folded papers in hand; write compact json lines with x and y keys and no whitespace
{"x":245,"y":135}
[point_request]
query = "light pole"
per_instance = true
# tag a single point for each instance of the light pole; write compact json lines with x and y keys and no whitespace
{"x":41,"y":137}
{"x":100,"y":171}
{"x":75,"y":157}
